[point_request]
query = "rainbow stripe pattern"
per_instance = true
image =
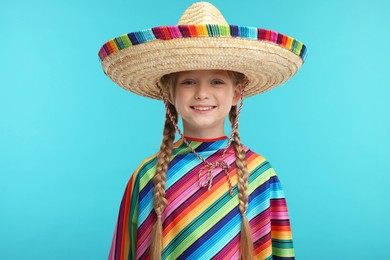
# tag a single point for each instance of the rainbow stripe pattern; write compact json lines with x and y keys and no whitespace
{"x":201,"y":30}
{"x":202,"y":224}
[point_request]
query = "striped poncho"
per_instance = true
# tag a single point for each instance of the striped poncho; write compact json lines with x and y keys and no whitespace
{"x":199,"y":223}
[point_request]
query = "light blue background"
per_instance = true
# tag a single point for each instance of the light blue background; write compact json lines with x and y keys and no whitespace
{"x":70,"y":138}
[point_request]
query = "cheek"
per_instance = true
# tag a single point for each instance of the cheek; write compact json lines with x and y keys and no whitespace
{"x":227,"y":97}
{"x":180,"y":98}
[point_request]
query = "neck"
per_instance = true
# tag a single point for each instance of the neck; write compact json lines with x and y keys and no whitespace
{"x":205,"y":139}
{"x":203,"y":133}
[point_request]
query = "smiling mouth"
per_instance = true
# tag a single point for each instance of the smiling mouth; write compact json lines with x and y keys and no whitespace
{"x":203,"y":108}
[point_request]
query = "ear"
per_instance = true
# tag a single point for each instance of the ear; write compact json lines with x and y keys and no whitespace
{"x":237,"y":94}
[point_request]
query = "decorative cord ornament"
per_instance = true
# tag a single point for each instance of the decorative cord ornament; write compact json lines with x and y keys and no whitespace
{"x":209,"y":167}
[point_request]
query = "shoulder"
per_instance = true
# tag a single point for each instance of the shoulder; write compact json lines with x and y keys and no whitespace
{"x":258,"y":165}
{"x":147,"y":163}
{"x":145,"y":171}
{"x":252,"y":156}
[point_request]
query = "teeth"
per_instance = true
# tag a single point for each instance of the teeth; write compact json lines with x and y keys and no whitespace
{"x":203,"y":108}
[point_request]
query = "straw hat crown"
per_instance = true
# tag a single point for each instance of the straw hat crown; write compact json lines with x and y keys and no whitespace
{"x":202,"y":13}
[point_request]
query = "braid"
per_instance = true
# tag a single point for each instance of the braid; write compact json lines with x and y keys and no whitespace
{"x":246,"y":243}
{"x":159,"y":180}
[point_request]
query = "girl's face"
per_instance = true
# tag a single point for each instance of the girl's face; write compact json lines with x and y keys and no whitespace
{"x":203,"y":98}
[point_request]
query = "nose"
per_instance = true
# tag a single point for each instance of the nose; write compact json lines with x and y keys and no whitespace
{"x":202,"y":91}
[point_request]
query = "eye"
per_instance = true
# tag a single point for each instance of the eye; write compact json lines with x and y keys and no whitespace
{"x":217,"y":82}
{"x":187,"y":82}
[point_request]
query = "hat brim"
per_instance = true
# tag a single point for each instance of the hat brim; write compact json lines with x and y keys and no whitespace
{"x":138,"y":68}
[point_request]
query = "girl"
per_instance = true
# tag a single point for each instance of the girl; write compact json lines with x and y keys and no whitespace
{"x":205,"y":196}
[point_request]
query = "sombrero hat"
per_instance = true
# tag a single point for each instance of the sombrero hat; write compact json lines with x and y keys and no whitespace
{"x":201,"y":40}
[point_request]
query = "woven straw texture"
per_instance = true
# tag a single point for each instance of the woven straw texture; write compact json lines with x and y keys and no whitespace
{"x":202,"y":40}
{"x":202,"y":13}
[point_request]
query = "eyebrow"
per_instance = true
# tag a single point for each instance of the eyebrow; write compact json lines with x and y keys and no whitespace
{"x":189,"y":74}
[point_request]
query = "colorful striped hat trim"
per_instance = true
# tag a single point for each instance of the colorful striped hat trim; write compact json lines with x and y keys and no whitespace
{"x":202,"y":40}
{"x":201,"y":30}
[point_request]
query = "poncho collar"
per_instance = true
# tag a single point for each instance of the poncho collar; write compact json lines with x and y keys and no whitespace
{"x":200,"y":144}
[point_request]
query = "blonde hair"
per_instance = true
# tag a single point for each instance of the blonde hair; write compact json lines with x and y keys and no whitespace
{"x":246,"y":243}
{"x":160,"y":202}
